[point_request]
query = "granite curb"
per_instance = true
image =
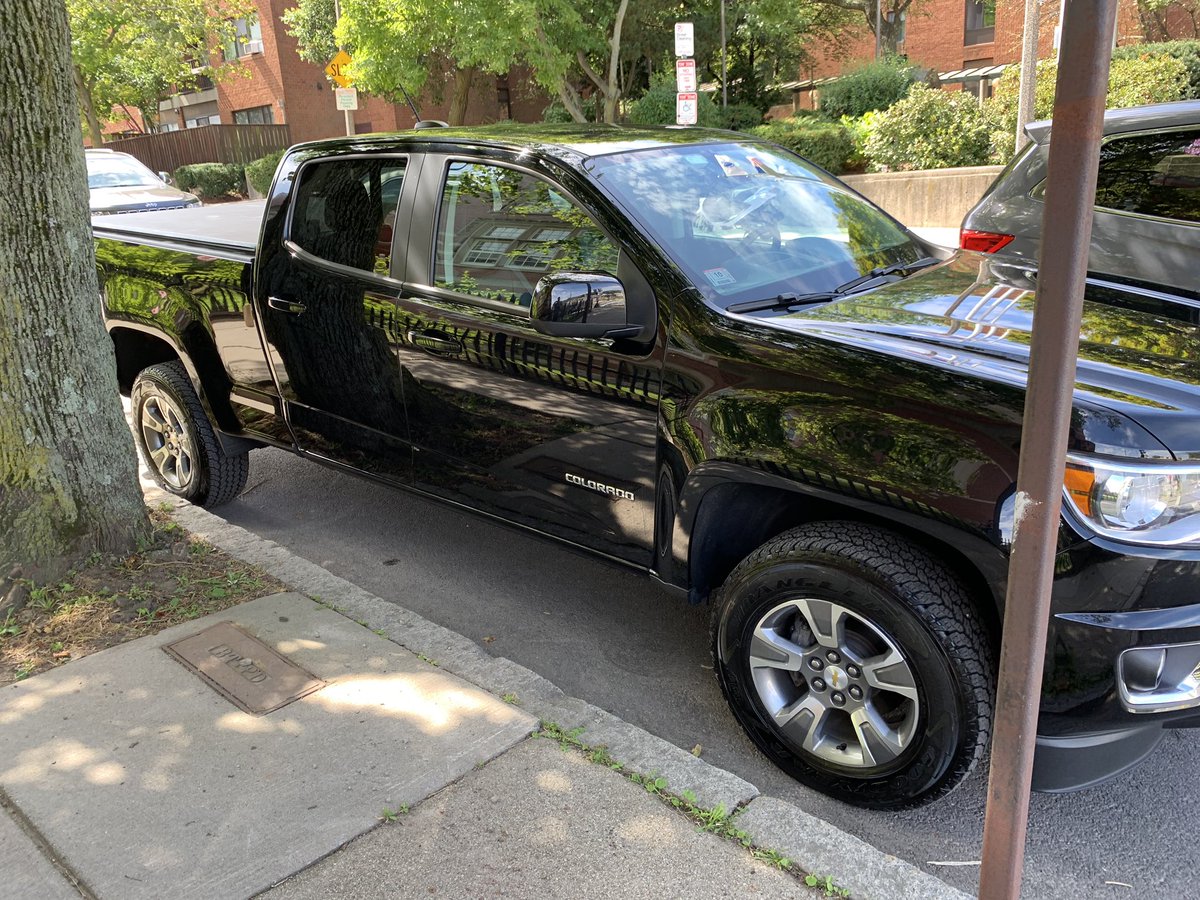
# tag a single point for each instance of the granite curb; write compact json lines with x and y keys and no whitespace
{"x":811,"y":843}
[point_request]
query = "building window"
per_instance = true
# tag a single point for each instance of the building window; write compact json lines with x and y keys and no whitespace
{"x":981,"y":22}
{"x":258,"y":115}
{"x":248,"y":40}
{"x":203,"y":120}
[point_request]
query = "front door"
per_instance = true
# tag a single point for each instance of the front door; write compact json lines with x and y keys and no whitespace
{"x":330,"y":314}
{"x":556,"y":434}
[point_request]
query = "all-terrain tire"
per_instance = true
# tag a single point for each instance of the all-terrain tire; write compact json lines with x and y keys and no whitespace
{"x":177,"y":442}
{"x":889,"y":594}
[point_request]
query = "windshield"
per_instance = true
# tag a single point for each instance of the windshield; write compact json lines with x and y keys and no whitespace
{"x":106,"y":171}
{"x":749,"y":222}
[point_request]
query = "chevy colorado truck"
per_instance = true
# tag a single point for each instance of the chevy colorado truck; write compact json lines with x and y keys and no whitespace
{"x":702,"y":357}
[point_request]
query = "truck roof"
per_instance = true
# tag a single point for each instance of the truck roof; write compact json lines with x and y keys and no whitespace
{"x":568,"y":143}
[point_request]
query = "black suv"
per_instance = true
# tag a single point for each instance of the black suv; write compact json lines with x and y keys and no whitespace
{"x":700,"y":356}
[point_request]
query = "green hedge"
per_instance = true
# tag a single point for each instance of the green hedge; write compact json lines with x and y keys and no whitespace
{"x":212,"y":181}
{"x":741,"y":116}
{"x":1187,"y":52}
{"x":260,"y":172}
{"x":877,"y":85}
{"x":929,"y":129}
{"x":827,"y":144}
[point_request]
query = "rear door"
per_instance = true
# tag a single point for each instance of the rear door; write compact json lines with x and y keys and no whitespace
{"x":557,"y":434}
{"x":328,"y":294}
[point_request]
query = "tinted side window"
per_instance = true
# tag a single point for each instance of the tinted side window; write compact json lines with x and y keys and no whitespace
{"x":500,"y":230}
{"x":1152,"y":174}
{"x":345,"y":211}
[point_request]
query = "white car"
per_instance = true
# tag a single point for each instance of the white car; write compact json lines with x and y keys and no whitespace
{"x":119,"y":183}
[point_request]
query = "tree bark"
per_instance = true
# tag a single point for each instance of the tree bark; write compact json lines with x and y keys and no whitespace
{"x":461,"y":95}
{"x":68,"y":478}
{"x":612,"y":94}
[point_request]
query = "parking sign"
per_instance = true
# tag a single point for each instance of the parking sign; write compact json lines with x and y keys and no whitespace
{"x":685,"y":108}
{"x":684,"y":43}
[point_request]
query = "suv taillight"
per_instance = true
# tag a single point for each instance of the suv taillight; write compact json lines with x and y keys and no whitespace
{"x":983,"y":241}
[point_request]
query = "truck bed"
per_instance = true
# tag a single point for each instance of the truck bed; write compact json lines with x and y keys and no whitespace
{"x":226,"y":230}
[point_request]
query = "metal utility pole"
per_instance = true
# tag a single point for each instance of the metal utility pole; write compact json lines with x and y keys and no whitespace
{"x":1066,"y":238}
{"x":1029,"y":51}
{"x":724,"y":68}
{"x":337,"y":15}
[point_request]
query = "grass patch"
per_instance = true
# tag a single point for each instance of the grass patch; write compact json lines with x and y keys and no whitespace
{"x":172,"y":578}
{"x":715,"y":820}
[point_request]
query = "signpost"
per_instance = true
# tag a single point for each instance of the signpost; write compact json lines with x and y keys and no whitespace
{"x":686,"y":99}
{"x":685,"y":76}
{"x":345,"y":96}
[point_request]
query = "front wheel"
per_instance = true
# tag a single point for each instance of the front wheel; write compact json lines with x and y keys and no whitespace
{"x":857,"y":663}
{"x":176,"y":441}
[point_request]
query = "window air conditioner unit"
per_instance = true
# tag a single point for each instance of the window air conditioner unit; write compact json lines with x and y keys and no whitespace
{"x":254,"y":46}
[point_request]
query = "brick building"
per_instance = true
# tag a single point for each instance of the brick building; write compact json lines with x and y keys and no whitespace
{"x":280,"y":88}
{"x":967,"y":42}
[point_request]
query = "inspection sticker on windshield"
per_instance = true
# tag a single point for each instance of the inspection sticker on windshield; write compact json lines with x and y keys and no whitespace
{"x":729,"y":166}
{"x":719,"y":277}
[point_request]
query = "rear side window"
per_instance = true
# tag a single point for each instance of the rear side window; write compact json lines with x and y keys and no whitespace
{"x":500,"y":230}
{"x":1152,"y":175}
{"x":345,"y":211}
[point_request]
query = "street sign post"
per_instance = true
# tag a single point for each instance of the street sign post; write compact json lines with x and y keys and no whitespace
{"x":685,"y":44}
{"x":685,"y":76}
{"x":685,"y":108}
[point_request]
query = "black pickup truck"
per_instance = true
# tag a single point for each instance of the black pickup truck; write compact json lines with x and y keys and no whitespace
{"x":702,"y":357}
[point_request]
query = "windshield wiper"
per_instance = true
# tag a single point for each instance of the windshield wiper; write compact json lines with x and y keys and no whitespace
{"x":884,"y":271}
{"x":785,"y":301}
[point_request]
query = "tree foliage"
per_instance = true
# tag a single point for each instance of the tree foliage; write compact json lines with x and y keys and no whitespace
{"x":130,"y":53}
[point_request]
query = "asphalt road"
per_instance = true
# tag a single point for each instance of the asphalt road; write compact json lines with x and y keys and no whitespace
{"x":611,"y":637}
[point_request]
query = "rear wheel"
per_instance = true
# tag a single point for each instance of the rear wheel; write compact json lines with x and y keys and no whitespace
{"x":177,"y":442}
{"x":857,"y":663}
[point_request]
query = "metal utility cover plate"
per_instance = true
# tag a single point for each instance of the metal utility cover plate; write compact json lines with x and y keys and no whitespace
{"x":242,"y":669}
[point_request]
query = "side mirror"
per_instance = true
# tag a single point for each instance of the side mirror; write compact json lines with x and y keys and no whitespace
{"x":166,"y":176}
{"x":575,"y":304}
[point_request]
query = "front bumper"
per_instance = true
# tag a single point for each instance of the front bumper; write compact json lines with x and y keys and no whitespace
{"x":1098,"y":717}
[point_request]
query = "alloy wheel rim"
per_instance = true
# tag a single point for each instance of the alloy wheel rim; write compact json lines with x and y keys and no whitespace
{"x":834,"y":684}
{"x":167,"y":442}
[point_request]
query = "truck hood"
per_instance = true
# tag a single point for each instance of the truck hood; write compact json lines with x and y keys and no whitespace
{"x":974,"y":315}
{"x":136,"y":199}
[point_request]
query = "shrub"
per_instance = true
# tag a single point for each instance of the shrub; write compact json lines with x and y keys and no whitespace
{"x":741,"y":116}
{"x":875,"y":86}
{"x":930,"y":129}
{"x":211,"y":181}
{"x":260,"y":172}
{"x":1132,"y":81}
{"x":827,"y":144}
{"x":1187,"y":52}
{"x":657,"y":105}
{"x":859,"y":129}
{"x":556,"y":113}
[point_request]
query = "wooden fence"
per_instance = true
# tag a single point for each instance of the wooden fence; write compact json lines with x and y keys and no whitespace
{"x":168,"y":151}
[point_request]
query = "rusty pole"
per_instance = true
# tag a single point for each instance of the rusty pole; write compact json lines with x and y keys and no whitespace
{"x":1066,"y":235}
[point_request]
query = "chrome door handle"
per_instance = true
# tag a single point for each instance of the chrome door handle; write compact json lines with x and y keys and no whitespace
{"x":434,"y":342}
{"x":286,"y":306}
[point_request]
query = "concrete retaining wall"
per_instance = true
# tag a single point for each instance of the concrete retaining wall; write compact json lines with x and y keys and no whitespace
{"x":935,"y":198}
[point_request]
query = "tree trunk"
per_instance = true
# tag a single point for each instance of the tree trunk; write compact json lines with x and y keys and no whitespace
{"x":461,"y":95}
{"x":570,"y":98}
{"x":68,"y":479}
{"x":612,"y":93}
{"x":88,"y":105}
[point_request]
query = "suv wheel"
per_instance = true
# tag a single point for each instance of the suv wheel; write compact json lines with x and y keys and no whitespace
{"x":176,"y":441}
{"x":857,"y":663}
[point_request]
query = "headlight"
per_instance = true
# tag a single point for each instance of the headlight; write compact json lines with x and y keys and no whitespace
{"x":1143,"y":502}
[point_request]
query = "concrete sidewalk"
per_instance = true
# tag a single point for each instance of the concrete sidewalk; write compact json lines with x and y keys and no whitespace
{"x":125,"y":775}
